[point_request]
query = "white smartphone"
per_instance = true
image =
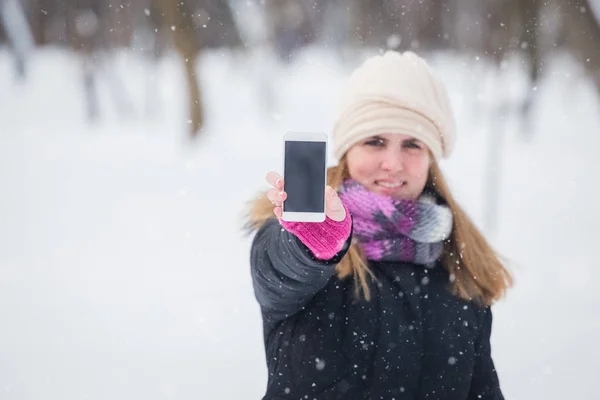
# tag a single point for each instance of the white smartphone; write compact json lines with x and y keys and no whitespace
{"x":304,"y":176}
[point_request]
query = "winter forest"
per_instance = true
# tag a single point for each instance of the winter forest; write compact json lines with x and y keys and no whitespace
{"x":133,"y":134}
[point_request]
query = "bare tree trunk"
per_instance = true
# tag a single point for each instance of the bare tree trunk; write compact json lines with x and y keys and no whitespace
{"x":18,"y":31}
{"x":530,"y":12}
{"x":195,"y":107}
{"x":181,"y":23}
{"x":41,"y":11}
{"x":581,"y":34}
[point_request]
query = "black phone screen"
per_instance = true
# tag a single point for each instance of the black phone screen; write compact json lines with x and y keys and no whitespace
{"x":304,"y":176}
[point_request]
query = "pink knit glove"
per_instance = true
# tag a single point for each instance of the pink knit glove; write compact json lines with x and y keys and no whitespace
{"x":325,"y":239}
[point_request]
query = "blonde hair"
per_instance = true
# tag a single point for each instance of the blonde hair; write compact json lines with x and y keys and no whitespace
{"x":476,"y":272}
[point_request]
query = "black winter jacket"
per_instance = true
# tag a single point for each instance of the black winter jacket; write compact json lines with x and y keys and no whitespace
{"x":412,"y":340}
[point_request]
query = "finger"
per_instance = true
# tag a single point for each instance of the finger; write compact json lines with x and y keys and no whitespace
{"x":334,"y":203}
{"x":276,"y":196}
{"x":277,"y":211}
{"x":275,"y":180}
{"x":335,"y":208}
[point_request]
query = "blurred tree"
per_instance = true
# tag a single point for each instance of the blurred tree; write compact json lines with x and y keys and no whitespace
{"x":214,"y":24}
{"x":92,"y":32}
{"x":41,"y":13}
{"x":179,"y":18}
{"x":514,"y":27}
{"x":290,"y":26}
{"x":372,"y":23}
{"x":580,"y":35}
{"x":496,"y":29}
{"x":194,"y":26}
{"x":18,"y":32}
{"x":84,"y":31}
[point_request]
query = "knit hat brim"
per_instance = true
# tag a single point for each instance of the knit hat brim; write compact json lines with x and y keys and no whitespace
{"x":370,"y":118}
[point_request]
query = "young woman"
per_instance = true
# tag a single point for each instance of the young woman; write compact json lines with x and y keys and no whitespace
{"x":390,"y":297}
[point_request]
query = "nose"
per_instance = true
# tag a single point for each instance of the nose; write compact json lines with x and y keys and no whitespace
{"x":392,"y":161}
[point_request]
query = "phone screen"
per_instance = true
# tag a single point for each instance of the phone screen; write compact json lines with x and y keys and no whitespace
{"x":304,"y":180}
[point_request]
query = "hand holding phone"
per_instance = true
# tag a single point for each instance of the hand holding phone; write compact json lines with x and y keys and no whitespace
{"x":333,"y":205}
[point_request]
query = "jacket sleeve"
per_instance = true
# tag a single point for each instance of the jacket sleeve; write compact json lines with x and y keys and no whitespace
{"x":485,"y":384}
{"x":285,"y":273}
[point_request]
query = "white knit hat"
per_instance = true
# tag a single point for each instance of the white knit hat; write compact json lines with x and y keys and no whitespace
{"x":395,"y":93}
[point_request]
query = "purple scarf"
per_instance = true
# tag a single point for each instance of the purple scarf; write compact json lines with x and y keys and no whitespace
{"x":397,"y":230}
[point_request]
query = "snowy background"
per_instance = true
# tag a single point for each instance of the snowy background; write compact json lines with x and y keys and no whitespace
{"x":124,"y":272}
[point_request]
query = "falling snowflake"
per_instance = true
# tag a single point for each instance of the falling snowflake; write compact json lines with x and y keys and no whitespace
{"x":320,"y":364}
{"x":393,"y":41}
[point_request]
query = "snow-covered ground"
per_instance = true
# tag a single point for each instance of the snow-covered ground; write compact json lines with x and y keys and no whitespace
{"x":123,"y":268}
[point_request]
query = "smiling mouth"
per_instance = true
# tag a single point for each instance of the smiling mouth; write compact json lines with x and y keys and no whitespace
{"x":389,"y":185}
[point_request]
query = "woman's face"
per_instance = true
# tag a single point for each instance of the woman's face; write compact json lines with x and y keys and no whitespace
{"x":390,"y":164}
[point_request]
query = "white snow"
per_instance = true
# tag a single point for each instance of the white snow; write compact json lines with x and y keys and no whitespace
{"x":123,"y":269}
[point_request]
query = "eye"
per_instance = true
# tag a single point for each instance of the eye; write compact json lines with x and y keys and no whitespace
{"x":413,"y":145}
{"x":377,"y":142}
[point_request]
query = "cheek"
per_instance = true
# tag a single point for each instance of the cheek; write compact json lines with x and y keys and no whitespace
{"x":360,"y":165}
{"x":418,"y":167}
{"x":358,"y":171}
